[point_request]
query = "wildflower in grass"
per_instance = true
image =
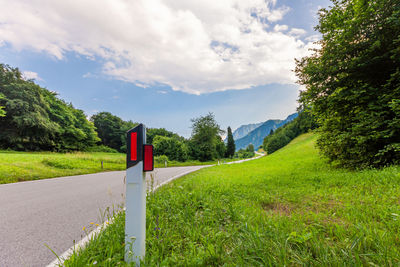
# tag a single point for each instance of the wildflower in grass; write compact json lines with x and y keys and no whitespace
{"x":92,"y":223}
{"x":97,"y":224}
{"x":84,"y":228}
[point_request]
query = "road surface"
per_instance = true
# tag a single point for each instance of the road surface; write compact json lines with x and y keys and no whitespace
{"x":54,"y":212}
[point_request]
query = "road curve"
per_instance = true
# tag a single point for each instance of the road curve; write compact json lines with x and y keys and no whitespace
{"x":54,"y":212}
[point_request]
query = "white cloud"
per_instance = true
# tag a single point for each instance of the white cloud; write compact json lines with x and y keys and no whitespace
{"x":280,"y":28}
{"x":192,"y":46}
{"x":297,"y":32}
{"x":313,"y":38}
{"x":30,"y":75}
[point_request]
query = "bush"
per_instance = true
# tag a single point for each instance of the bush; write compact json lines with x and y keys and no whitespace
{"x":101,"y":148}
{"x":244,"y":154}
{"x":161,"y":159}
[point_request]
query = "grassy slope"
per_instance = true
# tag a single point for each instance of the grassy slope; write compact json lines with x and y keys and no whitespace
{"x":289,"y":208}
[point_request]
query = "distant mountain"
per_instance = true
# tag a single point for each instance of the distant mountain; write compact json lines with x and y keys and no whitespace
{"x":243,"y":130}
{"x":257,"y":135}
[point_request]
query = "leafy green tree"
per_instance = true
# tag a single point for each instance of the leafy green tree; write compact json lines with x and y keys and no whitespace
{"x":203,"y":142}
{"x":153,"y":132}
{"x":2,"y":112}
{"x":170,"y":147}
{"x":353,"y":82}
{"x":38,"y":120}
{"x":109,"y":128}
{"x":230,"y":146}
{"x":220,"y":147}
{"x":250,"y":148}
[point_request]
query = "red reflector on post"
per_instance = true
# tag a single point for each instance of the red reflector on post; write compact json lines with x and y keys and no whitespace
{"x":148,"y":159}
{"x":134,"y":146}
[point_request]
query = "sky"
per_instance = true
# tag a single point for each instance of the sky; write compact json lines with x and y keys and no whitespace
{"x":164,"y":62}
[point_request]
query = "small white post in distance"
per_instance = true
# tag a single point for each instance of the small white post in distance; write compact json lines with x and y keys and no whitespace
{"x":139,"y":159}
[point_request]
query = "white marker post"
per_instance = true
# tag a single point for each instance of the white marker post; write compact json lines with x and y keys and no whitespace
{"x":139,"y":159}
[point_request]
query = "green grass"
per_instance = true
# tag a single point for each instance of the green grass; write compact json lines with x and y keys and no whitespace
{"x":193,"y":163}
{"x":289,"y":208}
{"x":25,"y":166}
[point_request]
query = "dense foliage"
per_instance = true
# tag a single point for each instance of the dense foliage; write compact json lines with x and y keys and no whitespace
{"x":283,"y":135}
{"x":36,"y":119}
{"x":112,"y":130}
{"x":2,"y":112}
{"x":170,"y":147}
{"x":230,"y":145}
{"x":245,"y":153}
{"x":151,"y":133}
{"x":206,"y":139}
{"x":353,"y":82}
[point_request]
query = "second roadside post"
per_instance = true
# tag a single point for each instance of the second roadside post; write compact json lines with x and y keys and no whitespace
{"x":139,"y":159}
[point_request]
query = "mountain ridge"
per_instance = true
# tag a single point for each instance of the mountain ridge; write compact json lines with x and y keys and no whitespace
{"x":257,"y":135}
{"x":245,"y":129}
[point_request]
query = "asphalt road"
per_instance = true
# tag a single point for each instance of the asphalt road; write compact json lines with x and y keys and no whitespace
{"x":54,"y":212}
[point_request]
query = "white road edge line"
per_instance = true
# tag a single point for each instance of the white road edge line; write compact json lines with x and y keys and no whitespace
{"x":84,"y":241}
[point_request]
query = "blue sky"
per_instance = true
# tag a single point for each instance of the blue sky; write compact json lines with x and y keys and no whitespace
{"x":165,"y":62}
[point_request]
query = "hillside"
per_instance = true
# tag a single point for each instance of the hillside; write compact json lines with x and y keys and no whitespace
{"x":286,"y":209}
{"x":256,"y":137}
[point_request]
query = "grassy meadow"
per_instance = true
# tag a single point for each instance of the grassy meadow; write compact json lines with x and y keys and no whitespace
{"x":26,"y":166}
{"x":289,"y":208}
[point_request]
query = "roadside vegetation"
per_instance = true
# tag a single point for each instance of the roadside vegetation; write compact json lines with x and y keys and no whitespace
{"x":25,"y":166}
{"x":289,"y":208}
{"x":352,"y":83}
{"x":35,"y":125}
{"x":245,"y":153}
{"x":18,"y":166}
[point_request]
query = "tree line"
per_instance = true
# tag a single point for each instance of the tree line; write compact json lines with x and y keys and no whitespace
{"x":33,"y":118}
{"x":204,"y":144}
{"x":353,"y":83}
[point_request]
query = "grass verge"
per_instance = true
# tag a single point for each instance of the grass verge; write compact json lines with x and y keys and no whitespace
{"x":26,"y":166}
{"x":289,"y":208}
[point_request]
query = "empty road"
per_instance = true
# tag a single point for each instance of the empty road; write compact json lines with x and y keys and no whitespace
{"x":54,"y":212}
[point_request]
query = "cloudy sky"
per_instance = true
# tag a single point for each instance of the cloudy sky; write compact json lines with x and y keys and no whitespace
{"x":163,"y":62}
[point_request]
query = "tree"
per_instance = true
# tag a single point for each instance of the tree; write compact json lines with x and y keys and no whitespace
{"x":220,"y":147}
{"x":203,"y":142}
{"x":250,"y":148}
{"x":353,"y":82}
{"x":110,"y":129}
{"x":153,"y":132}
{"x":2,"y":112}
{"x":38,"y":120}
{"x":230,"y":146}
{"x":170,"y":147}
